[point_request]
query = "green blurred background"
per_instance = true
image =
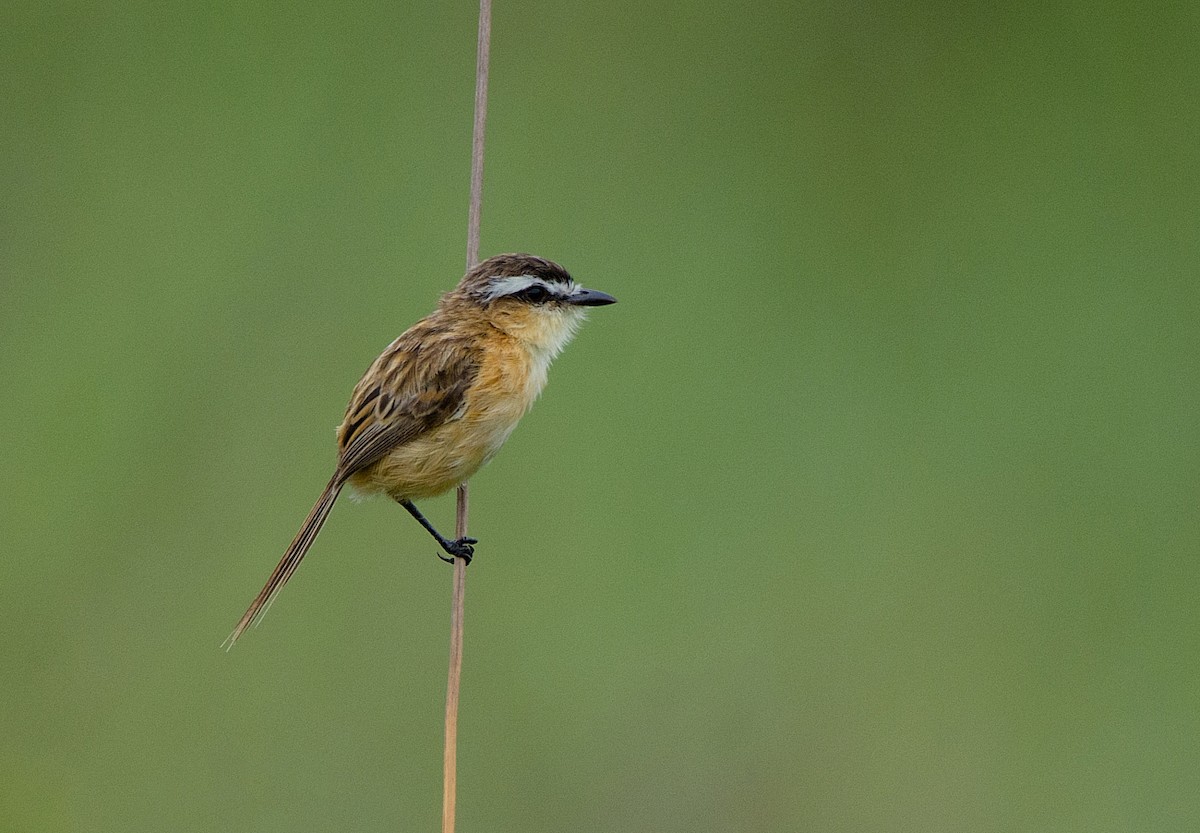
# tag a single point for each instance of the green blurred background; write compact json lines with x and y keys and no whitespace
{"x":872,"y":505}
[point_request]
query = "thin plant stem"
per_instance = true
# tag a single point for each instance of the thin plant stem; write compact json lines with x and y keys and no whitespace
{"x":449,"y":772}
{"x":481,"y":89}
{"x":450,"y":755}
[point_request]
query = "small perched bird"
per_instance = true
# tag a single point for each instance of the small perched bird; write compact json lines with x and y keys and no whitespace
{"x":442,"y":398}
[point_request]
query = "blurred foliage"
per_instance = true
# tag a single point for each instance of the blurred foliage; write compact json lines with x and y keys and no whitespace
{"x":872,"y":505}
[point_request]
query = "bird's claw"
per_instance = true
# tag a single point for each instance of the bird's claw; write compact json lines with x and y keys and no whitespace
{"x":462,"y":548}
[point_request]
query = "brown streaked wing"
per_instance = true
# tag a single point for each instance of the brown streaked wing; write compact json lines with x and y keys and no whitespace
{"x":416,"y":385}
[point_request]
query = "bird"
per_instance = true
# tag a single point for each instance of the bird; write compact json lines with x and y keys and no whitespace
{"x":440,"y":400}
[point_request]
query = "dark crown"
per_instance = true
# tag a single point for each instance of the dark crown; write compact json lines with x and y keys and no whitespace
{"x":512,"y":266}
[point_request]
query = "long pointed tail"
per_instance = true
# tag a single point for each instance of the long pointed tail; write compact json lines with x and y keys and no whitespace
{"x":291,"y":559}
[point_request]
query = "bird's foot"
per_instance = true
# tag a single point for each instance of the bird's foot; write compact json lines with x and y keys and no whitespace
{"x":462,"y":548}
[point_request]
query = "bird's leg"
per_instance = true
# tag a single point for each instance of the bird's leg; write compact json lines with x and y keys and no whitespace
{"x":461,"y":548}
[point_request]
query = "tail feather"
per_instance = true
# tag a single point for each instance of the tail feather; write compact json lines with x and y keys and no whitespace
{"x":291,"y":559}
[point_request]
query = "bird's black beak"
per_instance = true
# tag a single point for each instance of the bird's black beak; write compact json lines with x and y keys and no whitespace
{"x":589,"y":298}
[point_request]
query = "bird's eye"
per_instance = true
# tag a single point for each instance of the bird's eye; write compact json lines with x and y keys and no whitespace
{"x":535,"y":294}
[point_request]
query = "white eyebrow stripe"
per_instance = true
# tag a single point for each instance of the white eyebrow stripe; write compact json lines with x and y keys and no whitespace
{"x":500,"y":287}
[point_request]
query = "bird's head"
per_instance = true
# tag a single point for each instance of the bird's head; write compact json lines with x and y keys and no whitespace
{"x":529,"y":297}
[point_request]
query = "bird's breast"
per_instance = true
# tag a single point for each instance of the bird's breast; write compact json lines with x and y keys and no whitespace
{"x":509,"y":380}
